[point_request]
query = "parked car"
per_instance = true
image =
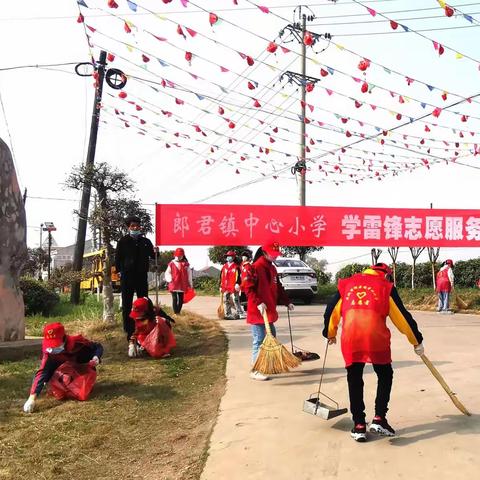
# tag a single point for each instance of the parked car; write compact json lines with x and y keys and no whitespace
{"x":298,"y":279}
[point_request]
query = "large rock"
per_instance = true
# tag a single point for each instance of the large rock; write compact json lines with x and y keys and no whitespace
{"x":13,"y":250}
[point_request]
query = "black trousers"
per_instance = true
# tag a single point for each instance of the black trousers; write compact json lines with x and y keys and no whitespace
{"x":177,"y":301}
{"x":355,"y":390}
{"x":131,"y":283}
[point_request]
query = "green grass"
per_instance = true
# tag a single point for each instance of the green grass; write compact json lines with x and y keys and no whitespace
{"x":146,"y":418}
{"x":87,"y":311}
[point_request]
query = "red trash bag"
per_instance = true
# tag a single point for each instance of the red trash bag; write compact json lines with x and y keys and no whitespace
{"x":160,"y":340}
{"x":72,"y":381}
{"x":188,"y":295}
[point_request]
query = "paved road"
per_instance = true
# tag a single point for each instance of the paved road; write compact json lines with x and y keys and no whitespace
{"x":262,"y":432}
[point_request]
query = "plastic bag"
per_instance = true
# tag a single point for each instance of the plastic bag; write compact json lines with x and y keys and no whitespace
{"x":189,"y":295}
{"x":72,"y":381}
{"x":160,"y":340}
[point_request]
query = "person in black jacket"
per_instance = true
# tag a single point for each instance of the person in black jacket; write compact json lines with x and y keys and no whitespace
{"x":132,"y":261}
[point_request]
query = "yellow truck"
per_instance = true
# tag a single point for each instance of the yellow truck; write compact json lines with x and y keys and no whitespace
{"x":93,"y":263}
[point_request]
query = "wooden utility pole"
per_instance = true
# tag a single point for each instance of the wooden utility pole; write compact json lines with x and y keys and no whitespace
{"x":85,"y":201}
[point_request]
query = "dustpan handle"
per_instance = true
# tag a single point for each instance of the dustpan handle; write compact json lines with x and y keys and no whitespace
{"x":321,"y":377}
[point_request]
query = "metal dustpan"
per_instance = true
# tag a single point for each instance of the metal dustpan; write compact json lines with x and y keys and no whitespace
{"x":314,"y":406}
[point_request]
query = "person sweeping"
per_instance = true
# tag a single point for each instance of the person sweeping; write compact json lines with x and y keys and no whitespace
{"x":264,"y":292}
{"x":363,"y":302}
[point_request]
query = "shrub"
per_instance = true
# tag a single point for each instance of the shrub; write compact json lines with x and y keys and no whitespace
{"x":37,"y":298}
{"x":206,"y":285}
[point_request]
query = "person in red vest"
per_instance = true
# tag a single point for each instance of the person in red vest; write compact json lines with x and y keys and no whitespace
{"x":230,"y":286}
{"x":364,"y":301}
{"x":57,"y":348}
{"x":264,"y":293}
{"x":179,"y":278}
{"x":445,"y":281}
{"x":146,"y":317}
{"x":246,"y":271}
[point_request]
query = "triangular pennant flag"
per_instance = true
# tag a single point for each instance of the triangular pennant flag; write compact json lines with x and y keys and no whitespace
{"x":82,"y":3}
{"x":430,"y":87}
{"x":200,"y":97}
{"x":387,"y":70}
{"x":331,"y":71}
{"x":184,"y":3}
{"x":132,"y":5}
{"x":371,"y":11}
{"x":223,"y":69}
{"x":458,"y":56}
{"x":194,"y":76}
{"x":162,"y":63}
{"x":263,"y":9}
{"x":405,"y":28}
{"x":191,"y":32}
{"x":468,"y":18}
{"x":423,"y":105}
{"x":224,"y":90}
{"x":129,"y":48}
{"x":330,"y":92}
{"x":93,"y":30}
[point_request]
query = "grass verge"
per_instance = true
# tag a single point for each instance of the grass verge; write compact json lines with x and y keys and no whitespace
{"x":146,"y":419}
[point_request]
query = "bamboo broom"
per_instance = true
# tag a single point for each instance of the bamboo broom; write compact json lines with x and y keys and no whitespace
{"x":221,"y":309}
{"x":442,"y":382}
{"x":273,"y":356}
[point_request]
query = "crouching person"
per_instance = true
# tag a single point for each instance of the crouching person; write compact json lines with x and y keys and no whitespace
{"x":153,"y":330}
{"x":63,"y":351}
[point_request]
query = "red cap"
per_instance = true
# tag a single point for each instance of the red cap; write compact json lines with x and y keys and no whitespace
{"x":231,"y":253}
{"x":272,"y":249}
{"x":139,"y":308}
{"x":449,"y":262}
{"x":382,"y":267}
{"x":179,"y":252}
{"x":53,"y":335}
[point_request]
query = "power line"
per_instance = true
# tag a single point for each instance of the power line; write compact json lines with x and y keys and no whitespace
{"x":38,"y":66}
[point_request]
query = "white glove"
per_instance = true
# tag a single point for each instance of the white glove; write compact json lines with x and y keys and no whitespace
{"x":291,"y":306}
{"x":237,"y":287}
{"x":94,"y":361}
{"x":332,"y":341}
{"x":262,"y":307}
{"x":132,"y":350}
{"x":418,"y":349}
{"x":29,"y":405}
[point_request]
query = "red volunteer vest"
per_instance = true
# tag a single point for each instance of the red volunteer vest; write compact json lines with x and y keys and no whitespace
{"x":365,"y":306}
{"x":245,"y":273}
{"x":443,"y":282}
{"x":229,"y":277}
{"x":179,"y":277}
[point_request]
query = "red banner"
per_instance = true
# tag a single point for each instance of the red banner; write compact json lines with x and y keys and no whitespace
{"x":310,"y":226}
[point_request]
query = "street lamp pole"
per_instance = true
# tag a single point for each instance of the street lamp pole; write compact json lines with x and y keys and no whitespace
{"x":49,"y":227}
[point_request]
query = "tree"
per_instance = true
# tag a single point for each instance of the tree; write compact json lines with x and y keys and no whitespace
{"x":37,"y":260}
{"x":433,"y":254}
{"x":415,"y":251}
{"x":109,"y":215}
{"x":302,"y":252}
{"x":375,"y":252}
{"x":319,"y":266}
{"x":217,"y":254}
{"x":393,"y":252}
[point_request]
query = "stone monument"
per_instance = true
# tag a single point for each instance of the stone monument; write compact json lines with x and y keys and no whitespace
{"x":13,"y":250}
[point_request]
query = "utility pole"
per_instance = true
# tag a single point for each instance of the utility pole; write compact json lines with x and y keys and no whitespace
{"x":49,"y":266}
{"x":303,"y":171}
{"x":298,"y":31}
{"x":99,"y":76}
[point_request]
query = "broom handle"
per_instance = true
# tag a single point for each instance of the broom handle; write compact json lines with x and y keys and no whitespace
{"x":267,"y":324}
{"x":290,"y":328}
{"x":442,"y":382}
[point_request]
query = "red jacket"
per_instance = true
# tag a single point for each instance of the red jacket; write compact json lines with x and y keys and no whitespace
{"x":179,"y":277}
{"x":246,"y":272}
{"x":264,"y":287}
{"x":229,"y":277}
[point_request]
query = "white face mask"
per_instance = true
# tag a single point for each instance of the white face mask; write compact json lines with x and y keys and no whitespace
{"x":229,"y":259}
{"x":135,"y":233}
{"x":244,"y":259}
{"x":178,"y":259}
